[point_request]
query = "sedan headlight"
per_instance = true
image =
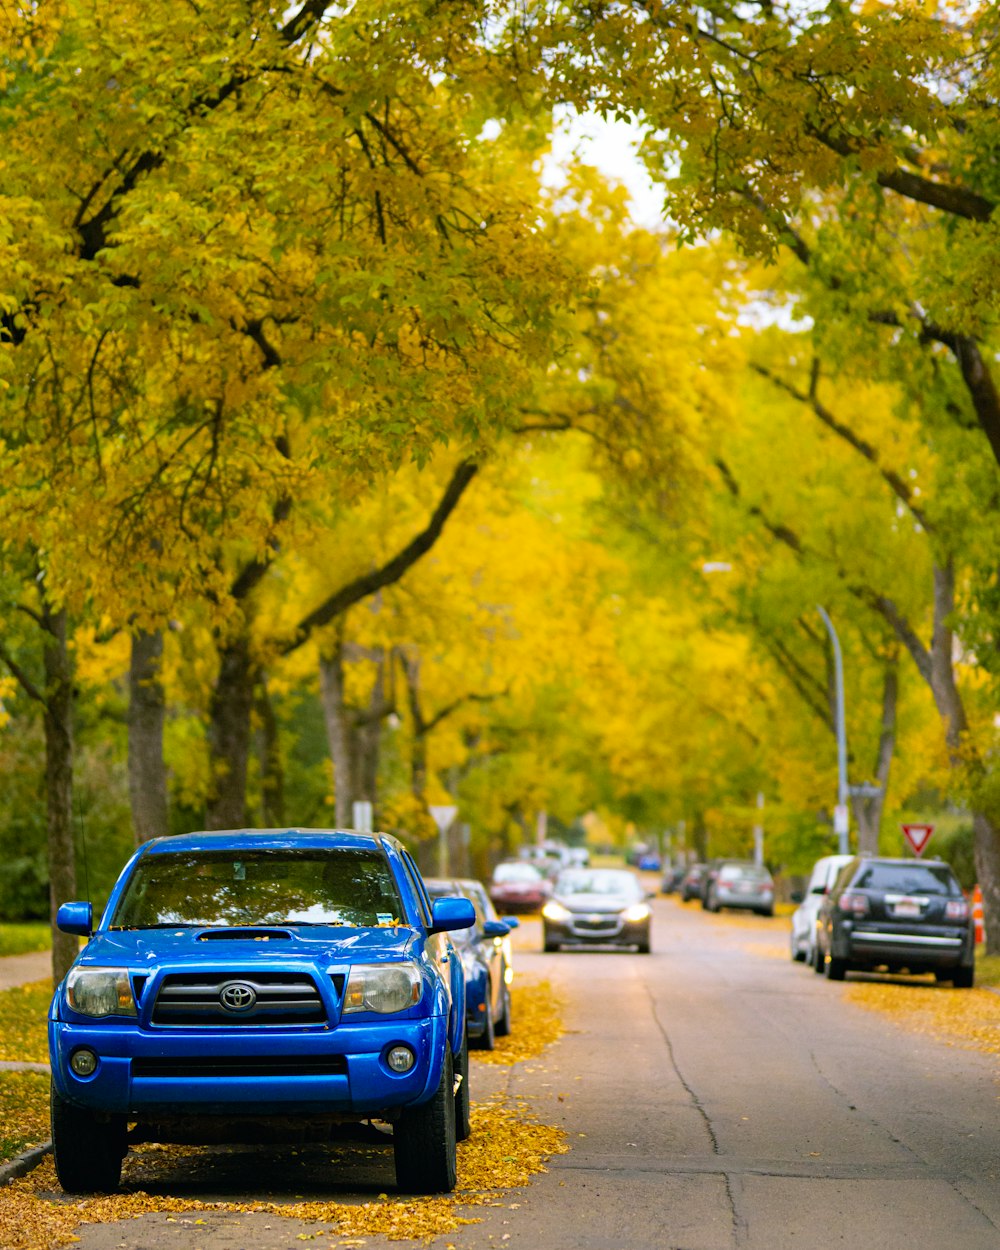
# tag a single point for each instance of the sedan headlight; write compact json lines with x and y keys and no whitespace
{"x":555,"y":911}
{"x":384,"y":988}
{"x":100,"y":992}
{"x":635,"y":913}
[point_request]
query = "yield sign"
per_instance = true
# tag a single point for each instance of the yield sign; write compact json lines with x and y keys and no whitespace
{"x":443,"y":816}
{"x":918,"y":836}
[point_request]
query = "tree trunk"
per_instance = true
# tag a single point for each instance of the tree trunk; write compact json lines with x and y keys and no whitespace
{"x":340,"y":734}
{"x":59,"y":783}
{"x":229,"y":735}
{"x":147,"y":773}
{"x":272,"y":772}
{"x":868,"y":810}
{"x":418,"y":728}
{"x":987,"y":854}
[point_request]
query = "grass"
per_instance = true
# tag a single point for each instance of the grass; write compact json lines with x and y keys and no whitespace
{"x":987,"y":969}
{"x":23,"y":1013}
{"x":24,"y":1112}
{"x":24,"y":1096}
{"x":25,"y":937}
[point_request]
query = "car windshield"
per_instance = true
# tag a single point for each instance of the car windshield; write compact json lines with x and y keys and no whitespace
{"x":208,"y":889}
{"x":597,"y":882}
{"x":907,"y":879}
{"x":516,"y":872}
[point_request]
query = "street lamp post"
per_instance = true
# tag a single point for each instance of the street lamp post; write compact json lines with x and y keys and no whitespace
{"x":840,"y":816}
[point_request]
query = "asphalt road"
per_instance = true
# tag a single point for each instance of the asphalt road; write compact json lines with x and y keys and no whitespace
{"x":716,"y":1097}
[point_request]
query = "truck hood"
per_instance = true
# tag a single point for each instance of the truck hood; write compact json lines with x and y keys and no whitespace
{"x":320,"y":944}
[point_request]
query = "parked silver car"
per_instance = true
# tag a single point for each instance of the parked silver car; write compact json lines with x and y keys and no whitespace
{"x":741,"y":885}
{"x":802,"y":940}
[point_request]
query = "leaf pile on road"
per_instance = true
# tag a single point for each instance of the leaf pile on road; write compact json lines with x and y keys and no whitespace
{"x":960,"y":1017}
{"x":506,"y":1148}
{"x":537,"y":1018}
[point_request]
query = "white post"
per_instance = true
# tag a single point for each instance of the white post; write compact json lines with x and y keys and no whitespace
{"x":758,"y":832}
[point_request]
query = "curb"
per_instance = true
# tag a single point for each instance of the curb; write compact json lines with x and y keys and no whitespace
{"x":10,"y":1065}
{"x":23,"y":1163}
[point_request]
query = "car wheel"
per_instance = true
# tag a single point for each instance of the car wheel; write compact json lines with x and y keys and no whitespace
{"x":423,"y":1140}
{"x":463,"y":1108}
{"x":486,"y":1039}
{"x":964,"y":977}
{"x":819,"y":961}
{"x":547,"y":943}
{"x":644,"y":947}
{"x":501,"y":1025}
{"x":797,"y":956}
{"x":836,"y":969}
{"x":88,"y":1151}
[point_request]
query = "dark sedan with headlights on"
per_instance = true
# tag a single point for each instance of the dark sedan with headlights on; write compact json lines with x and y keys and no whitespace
{"x":896,"y":915}
{"x":596,"y":907}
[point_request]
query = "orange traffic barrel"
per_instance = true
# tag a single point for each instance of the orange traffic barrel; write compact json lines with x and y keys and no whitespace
{"x":977,"y":912}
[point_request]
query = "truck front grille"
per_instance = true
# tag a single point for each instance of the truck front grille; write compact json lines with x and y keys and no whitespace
{"x":238,"y":999}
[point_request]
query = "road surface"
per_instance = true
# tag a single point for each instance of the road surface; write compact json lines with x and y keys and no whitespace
{"x":716,"y":1097}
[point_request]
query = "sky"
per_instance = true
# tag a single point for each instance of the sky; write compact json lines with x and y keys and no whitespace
{"x":612,"y":147}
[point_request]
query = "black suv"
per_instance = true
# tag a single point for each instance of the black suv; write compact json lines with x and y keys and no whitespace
{"x":896,"y":914}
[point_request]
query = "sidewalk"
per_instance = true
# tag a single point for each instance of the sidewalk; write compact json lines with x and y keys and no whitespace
{"x":23,"y":969}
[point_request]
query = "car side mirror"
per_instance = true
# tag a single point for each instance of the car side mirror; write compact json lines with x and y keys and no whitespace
{"x":448,"y":914}
{"x":796,"y":896}
{"x":511,"y":922}
{"x":76,"y":918}
{"x":496,"y":928}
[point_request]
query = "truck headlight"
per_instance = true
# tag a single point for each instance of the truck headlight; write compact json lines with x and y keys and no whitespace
{"x":555,"y":911}
{"x":100,"y":992}
{"x":635,"y":913}
{"x":384,"y":988}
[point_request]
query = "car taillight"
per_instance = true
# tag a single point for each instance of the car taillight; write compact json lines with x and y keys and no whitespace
{"x":956,"y":909}
{"x":854,"y":904}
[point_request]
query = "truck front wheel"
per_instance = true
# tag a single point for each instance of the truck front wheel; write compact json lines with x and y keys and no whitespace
{"x":88,"y":1150}
{"x":423,"y":1140}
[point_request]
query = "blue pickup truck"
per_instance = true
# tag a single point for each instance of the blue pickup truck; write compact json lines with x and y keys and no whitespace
{"x":257,"y":985}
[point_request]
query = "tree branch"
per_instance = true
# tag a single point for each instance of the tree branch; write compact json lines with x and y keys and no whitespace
{"x":393,"y":569}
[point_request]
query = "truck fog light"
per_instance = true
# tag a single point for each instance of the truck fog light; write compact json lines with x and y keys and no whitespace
{"x":83,"y":1062}
{"x":401,"y":1059}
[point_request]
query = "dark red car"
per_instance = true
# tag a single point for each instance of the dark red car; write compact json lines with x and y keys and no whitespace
{"x":518,"y":886}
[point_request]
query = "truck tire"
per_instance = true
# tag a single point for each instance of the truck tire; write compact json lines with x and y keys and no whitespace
{"x":87,"y":1150}
{"x":463,"y":1110}
{"x":423,"y":1140}
{"x":501,"y":1025}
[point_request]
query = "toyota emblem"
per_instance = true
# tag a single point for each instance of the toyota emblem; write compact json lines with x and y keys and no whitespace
{"x":237,"y":996}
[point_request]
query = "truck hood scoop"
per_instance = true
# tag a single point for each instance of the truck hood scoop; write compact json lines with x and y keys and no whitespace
{"x":244,"y":935}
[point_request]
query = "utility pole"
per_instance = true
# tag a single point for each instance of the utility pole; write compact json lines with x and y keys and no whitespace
{"x":841,"y":825}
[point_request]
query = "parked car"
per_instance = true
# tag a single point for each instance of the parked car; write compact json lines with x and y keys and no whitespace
{"x":591,"y":906}
{"x":690,"y":887}
{"x":712,"y":871}
{"x":518,"y":886}
{"x":672,"y":878}
{"x":896,"y":915}
{"x":485,"y":951}
{"x":746,"y":886}
{"x":243,"y":983}
{"x":802,"y":939}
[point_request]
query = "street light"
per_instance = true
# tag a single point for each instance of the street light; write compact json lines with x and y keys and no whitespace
{"x":840,"y":817}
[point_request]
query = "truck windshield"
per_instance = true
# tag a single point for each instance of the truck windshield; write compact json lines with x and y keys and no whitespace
{"x":207,"y":889}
